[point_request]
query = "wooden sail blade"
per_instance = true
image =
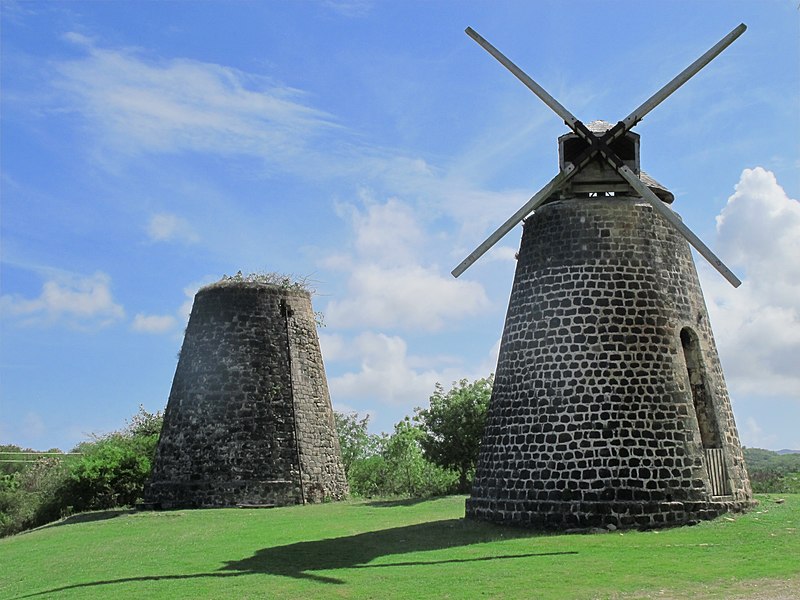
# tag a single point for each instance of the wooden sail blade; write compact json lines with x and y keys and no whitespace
{"x":673,"y":219}
{"x":536,"y":200}
{"x":554,"y":104}
{"x":682,"y":77}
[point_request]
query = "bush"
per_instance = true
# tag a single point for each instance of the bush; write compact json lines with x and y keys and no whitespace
{"x":399,"y":468}
{"x":111,"y":473}
{"x":28,"y":497}
{"x":367,"y":477}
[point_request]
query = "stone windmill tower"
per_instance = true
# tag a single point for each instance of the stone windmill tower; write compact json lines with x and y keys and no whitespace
{"x":249,"y":419}
{"x":609,"y":405}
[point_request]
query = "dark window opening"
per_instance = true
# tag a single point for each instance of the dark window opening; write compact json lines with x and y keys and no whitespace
{"x":623,"y":147}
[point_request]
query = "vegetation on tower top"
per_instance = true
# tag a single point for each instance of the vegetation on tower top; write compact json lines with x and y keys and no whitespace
{"x":282,"y":280}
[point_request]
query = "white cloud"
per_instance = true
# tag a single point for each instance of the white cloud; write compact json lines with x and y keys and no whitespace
{"x":153,"y":323}
{"x":759,"y":229}
{"x":387,"y":233}
{"x":753,"y":435}
{"x":757,"y":326}
{"x":178,"y":105}
{"x":82,"y":301}
{"x":406,"y":297}
{"x":165,"y":227}
{"x":334,"y":348}
{"x":386,"y":380}
{"x":501,"y":254}
{"x":387,"y":286}
{"x":384,"y":374}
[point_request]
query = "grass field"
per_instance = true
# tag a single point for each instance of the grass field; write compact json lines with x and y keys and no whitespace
{"x":400,"y":549}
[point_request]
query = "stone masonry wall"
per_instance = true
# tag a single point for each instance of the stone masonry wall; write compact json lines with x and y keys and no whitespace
{"x":592,"y":420}
{"x":248,"y":421}
{"x":320,"y":456}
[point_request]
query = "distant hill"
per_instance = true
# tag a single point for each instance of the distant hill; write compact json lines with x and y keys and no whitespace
{"x":773,"y":472}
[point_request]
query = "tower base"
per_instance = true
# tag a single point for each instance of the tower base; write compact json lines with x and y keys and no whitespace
{"x":586,"y":515}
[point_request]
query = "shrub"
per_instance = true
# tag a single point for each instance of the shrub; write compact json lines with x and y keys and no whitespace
{"x":399,"y":468}
{"x":28,"y":497}
{"x":112,"y":472}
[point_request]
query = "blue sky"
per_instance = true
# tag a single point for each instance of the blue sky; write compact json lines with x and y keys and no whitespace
{"x":148,"y":148}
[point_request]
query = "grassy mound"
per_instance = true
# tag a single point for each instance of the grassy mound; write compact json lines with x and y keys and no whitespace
{"x":401,"y":549}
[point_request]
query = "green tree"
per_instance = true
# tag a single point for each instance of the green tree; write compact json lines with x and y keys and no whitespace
{"x":453,"y":426}
{"x":355,"y":441}
{"x":394,"y":465}
{"x":405,"y":460}
{"x":406,"y":471}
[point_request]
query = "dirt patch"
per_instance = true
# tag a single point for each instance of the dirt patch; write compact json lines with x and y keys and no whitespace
{"x":758,"y":589}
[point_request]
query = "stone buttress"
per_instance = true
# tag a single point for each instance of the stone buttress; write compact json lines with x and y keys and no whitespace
{"x":249,"y":418}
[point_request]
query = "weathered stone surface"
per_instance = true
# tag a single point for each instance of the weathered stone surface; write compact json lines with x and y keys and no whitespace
{"x":249,"y":418}
{"x":609,"y":392}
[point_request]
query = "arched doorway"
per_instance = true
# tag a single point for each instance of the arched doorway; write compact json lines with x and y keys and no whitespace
{"x":704,"y":411}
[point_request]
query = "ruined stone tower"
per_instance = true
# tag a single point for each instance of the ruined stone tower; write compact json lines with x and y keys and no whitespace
{"x":609,"y":407}
{"x":249,"y":418}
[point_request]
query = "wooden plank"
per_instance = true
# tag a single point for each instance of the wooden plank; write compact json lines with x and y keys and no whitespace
{"x":717,"y":472}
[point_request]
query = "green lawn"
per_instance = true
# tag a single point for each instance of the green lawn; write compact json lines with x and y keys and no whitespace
{"x":403,"y":549}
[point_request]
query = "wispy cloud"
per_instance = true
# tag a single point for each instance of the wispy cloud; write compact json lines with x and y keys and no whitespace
{"x":349,"y":8}
{"x":153,"y":323}
{"x":165,"y":227}
{"x":70,"y":299}
{"x":141,"y":105}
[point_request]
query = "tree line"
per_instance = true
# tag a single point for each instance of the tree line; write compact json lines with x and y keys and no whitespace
{"x":432,"y":452}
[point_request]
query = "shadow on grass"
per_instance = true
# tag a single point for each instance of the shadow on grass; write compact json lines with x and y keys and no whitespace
{"x":397,"y":502}
{"x":302,"y":560}
{"x":100,"y":515}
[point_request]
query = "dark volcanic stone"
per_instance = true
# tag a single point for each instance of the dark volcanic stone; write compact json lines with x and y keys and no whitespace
{"x":249,"y":418}
{"x":609,"y":406}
